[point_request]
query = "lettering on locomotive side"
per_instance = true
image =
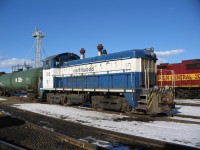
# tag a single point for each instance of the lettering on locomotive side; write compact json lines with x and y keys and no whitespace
{"x":183,"y":77}
{"x":179,"y":77}
{"x":83,"y":69}
{"x":197,"y":76}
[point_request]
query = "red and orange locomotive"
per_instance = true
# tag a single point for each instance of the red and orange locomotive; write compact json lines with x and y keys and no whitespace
{"x":184,"y":77}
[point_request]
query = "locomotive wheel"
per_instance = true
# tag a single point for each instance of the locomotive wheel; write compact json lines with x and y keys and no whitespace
{"x":63,"y":100}
{"x":126,"y":107}
{"x":68,"y":103}
{"x":180,"y":93}
{"x":198,"y":96}
{"x":94,"y":103}
{"x":49,"y":99}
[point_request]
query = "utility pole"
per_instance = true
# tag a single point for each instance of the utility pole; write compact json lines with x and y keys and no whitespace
{"x":38,"y":55}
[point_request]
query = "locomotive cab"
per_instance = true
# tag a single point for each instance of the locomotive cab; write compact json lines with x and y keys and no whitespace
{"x":58,"y":61}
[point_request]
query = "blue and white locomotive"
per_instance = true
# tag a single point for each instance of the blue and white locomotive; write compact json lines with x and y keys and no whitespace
{"x":122,"y":81}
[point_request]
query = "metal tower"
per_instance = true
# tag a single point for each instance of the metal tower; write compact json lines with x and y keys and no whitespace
{"x":38,"y":57}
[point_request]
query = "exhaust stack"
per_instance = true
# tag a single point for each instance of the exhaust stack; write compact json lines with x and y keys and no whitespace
{"x":100,"y":48}
{"x":82,"y":51}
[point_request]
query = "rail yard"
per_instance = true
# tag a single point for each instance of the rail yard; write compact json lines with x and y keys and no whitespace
{"x":111,"y":101}
{"x":33,"y":125}
{"x":113,"y":75}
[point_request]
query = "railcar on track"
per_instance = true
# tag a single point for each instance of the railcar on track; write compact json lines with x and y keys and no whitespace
{"x":21,"y":81}
{"x":122,"y":81}
{"x":184,"y":77}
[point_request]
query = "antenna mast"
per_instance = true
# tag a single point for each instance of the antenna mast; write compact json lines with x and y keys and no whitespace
{"x":38,"y":57}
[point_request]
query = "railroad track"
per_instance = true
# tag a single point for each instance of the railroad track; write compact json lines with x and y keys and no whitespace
{"x":135,"y":117}
{"x":127,"y":140}
{"x":10,"y":143}
{"x":146,"y":118}
{"x":64,"y":138}
{"x":149,"y":143}
{"x":188,"y":104}
{"x":187,"y":116}
{"x":7,"y":146}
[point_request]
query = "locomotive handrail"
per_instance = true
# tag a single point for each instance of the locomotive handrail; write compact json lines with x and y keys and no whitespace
{"x":99,"y":61}
{"x":173,"y":76}
{"x":147,"y":70}
{"x":173,"y":79}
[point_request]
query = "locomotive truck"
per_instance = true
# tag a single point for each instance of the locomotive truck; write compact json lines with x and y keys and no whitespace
{"x":184,"y":77}
{"x":121,"y":81}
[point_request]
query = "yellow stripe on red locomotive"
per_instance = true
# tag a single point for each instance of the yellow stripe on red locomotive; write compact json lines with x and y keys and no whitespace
{"x":179,"y":77}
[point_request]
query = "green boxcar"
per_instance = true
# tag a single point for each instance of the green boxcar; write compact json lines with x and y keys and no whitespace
{"x":27,"y":80}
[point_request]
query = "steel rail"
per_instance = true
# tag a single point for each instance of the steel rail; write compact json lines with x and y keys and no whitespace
{"x":8,"y":146}
{"x":148,"y":143}
{"x":64,"y":138}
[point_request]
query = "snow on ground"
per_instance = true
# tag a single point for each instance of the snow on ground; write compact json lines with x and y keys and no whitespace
{"x":187,"y":110}
{"x":185,"y":134}
{"x":2,"y":99}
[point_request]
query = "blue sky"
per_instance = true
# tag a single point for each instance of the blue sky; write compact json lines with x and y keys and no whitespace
{"x":172,"y":27}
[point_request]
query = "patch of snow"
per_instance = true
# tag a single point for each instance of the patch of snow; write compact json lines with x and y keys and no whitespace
{"x":2,"y":112}
{"x":105,"y":144}
{"x":23,"y":96}
{"x":185,"y":134}
{"x":50,"y":129}
{"x":187,"y":110}
{"x":2,"y":99}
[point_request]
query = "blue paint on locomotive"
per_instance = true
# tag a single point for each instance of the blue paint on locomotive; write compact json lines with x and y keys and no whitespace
{"x":126,"y":81}
{"x":119,"y":81}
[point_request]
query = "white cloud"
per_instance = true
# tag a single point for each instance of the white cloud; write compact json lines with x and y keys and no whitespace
{"x":162,"y":54}
{"x":6,"y":63}
{"x":170,"y":52}
{"x":161,"y":60}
